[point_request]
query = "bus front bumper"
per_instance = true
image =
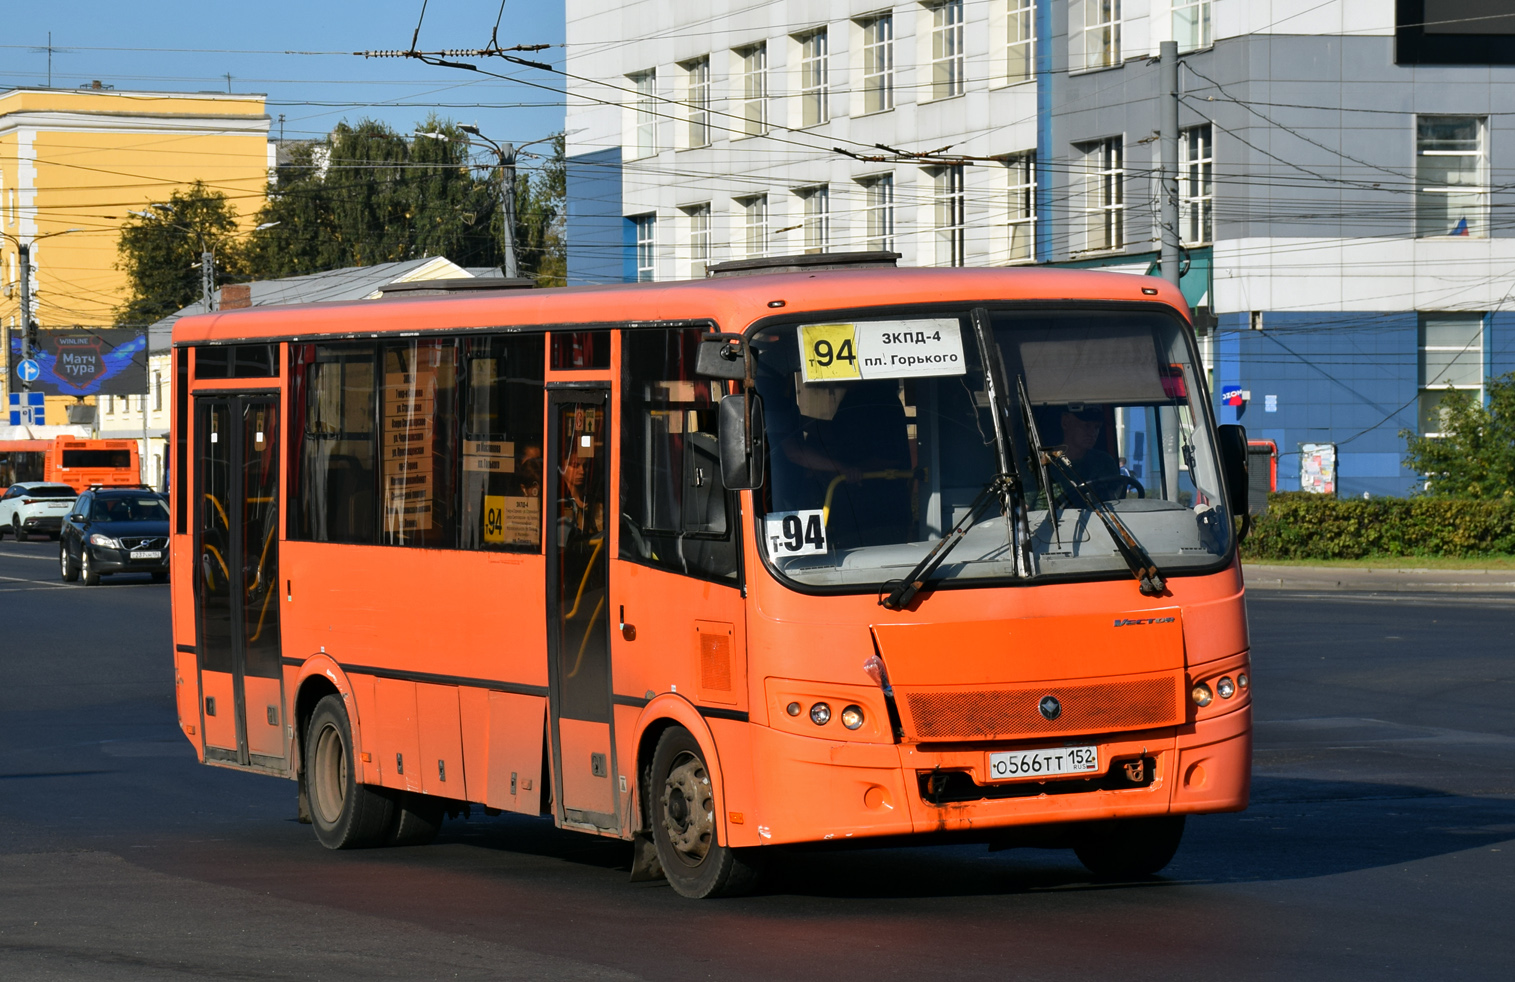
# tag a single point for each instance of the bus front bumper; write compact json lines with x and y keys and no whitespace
{"x":819,"y":790}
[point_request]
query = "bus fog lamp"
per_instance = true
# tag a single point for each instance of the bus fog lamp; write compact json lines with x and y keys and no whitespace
{"x":820,"y":714}
{"x":1225,"y":688}
{"x":793,"y":709}
{"x":1242,"y":681}
{"x":852,"y":717}
{"x":1202,"y":695}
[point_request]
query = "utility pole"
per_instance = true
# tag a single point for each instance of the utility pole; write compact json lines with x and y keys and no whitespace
{"x":207,"y":279}
{"x":24,"y":251}
{"x":1167,"y":74}
{"x":508,"y":208}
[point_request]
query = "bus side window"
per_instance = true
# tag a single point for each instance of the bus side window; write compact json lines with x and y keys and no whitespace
{"x":332,"y":479}
{"x":673,"y":505}
{"x":501,"y":473}
{"x":418,"y":443}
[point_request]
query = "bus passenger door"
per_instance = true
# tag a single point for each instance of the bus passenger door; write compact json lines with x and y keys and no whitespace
{"x":577,"y":491}
{"x":237,"y":578}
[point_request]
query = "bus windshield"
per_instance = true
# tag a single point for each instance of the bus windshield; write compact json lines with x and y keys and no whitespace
{"x":882,"y":432}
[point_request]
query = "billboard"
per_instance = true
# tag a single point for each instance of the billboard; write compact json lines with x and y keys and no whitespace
{"x":83,"y":361}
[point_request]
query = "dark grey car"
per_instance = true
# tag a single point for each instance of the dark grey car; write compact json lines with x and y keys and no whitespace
{"x":115,"y":530}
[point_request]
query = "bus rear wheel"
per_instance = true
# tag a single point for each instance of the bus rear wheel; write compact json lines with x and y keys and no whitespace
{"x":1129,"y":848}
{"x":417,"y":820}
{"x":684,"y":827}
{"x":345,"y":814}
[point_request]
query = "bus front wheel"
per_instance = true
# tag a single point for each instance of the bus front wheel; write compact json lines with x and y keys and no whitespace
{"x":345,"y":814}
{"x":684,"y":827}
{"x":1129,"y":848}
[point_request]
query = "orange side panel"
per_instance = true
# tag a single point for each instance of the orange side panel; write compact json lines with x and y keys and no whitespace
{"x":264,"y":703}
{"x":473,"y":717}
{"x":582,"y":790}
{"x":187,"y":695}
{"x":220,"y":729}
{"x":393,"y":734}
{"x":515,"y":752}
{"x":441,"y":741}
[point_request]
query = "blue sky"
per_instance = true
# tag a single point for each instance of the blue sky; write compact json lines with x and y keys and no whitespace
{"x":179,"y":46}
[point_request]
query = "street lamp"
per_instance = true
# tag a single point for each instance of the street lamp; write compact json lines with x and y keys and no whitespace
{"x":28,"y":326}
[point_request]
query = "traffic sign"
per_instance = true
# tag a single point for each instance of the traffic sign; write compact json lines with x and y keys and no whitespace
{"x":28,"y":408}
{"x":27,"y":370}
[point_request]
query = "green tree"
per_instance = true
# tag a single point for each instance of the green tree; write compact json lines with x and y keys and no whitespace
{"x":160,"y":252}
{"x":1475,"y":456}
{"x":541,"y":246}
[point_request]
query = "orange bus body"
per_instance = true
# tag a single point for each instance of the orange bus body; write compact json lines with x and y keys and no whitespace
{"x":440,"y":656}
{"x":82,"y":464}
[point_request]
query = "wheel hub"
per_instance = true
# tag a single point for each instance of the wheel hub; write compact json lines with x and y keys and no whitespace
{"x":689,"y":810}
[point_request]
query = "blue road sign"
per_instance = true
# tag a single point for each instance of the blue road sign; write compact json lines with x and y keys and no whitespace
{"x":27,"y":370}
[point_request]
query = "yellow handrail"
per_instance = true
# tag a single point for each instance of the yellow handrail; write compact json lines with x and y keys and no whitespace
{"x":598,"y":545}
{"x":889,"y":475}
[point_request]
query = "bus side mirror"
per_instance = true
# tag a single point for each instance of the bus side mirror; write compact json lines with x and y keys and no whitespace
{"x":743,"y":449}
{"x":1232,"y":439}
{"x":722,"y":356}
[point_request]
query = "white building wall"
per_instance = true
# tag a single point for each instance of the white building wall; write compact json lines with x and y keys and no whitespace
{"x":608,"y":42}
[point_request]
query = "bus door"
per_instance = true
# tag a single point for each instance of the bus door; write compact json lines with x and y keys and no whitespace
{"x":577,"y":492}
{"x":237,"y":577}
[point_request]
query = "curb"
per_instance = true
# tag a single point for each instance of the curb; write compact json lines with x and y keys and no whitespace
{"x":1260,"y":576}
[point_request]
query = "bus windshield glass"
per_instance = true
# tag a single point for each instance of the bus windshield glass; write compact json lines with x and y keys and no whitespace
{"x":881,"y":433}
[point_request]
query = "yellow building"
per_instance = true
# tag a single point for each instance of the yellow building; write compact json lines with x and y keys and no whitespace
{"x":75,"y":162}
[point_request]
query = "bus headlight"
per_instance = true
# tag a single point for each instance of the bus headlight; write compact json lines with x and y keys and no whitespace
{"x":820,"y":714}
{"x":1201,"y":695}
{"x":1225,"y":688}
{"x":852,"y":717}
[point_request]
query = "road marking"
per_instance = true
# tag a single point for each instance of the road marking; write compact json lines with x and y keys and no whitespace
{"x":24,"y":555}
{"x":41,"y":583}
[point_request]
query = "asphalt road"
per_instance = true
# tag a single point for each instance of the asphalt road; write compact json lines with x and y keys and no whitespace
{"x":1380,"y":844}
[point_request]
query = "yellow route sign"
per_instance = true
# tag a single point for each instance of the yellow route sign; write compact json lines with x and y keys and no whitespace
{"x":830,"y":352}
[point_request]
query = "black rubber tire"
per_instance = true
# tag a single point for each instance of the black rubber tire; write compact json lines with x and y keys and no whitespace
{"x":87,"y":569}
{"x":417,"y":819}
{"x":344,"y":813}
{"x":160,"y":577}
{"x":66,"y":567}
{"x":700,"y":866}
{"x":1129,"y":848}
{"x":18,"y":531}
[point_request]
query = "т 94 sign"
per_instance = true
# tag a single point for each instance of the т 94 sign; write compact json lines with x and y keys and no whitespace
{"x":89,"y":362}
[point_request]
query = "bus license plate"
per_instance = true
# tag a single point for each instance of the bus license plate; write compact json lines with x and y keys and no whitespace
{"x":1020,"y":764}
{"x":146,"y":554}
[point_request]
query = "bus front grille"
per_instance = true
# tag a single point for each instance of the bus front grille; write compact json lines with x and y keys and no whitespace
{"x":1012,"y":713}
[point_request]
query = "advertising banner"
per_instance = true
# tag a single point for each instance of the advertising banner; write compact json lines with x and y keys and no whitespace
{"x":85,"y":361}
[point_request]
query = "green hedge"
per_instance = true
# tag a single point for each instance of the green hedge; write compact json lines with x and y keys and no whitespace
{"x":1299,"y":525}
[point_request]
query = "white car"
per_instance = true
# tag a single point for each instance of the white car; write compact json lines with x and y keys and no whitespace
{"x":35,"y":508}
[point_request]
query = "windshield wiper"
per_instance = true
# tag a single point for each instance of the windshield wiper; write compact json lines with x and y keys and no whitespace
{"x":1000,"y":488}
{"x":1038,"y":454}
{"x":1149,"y":577}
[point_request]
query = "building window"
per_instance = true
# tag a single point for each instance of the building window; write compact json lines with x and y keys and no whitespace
{"x":647,"y":245}
{"x":1021,"y":170}
{"x":878,"y":63}
{"x":1104,"y":194}
{"x":1196,"y":188}
{"x":1451,"y":360}
{"x":947,"y":49}
{"x":754,"y":225}
{"x":754,"y":97}
{"x":646,"y":140}
{"x":950,"y":206}
{"x":1191,"y":24}
{"x":1451,"y":174}
{"x":817,"y":218}
{"x":698,"y":78}
{"x":1101,"y":33}
{"x":1020,"y":34}
{"x":878,"y":212}
{"x":699,"y":239}
{"x":815,"y":83}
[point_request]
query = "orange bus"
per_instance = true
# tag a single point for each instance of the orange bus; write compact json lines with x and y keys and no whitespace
{"x":82,"y":464}
{"x":822,"y":554}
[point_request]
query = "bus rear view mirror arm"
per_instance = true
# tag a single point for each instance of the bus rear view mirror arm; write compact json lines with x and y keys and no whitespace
{"x":742,"y":444}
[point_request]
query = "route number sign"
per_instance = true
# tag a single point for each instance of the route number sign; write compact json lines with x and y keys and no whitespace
{"x":881,"y":349}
